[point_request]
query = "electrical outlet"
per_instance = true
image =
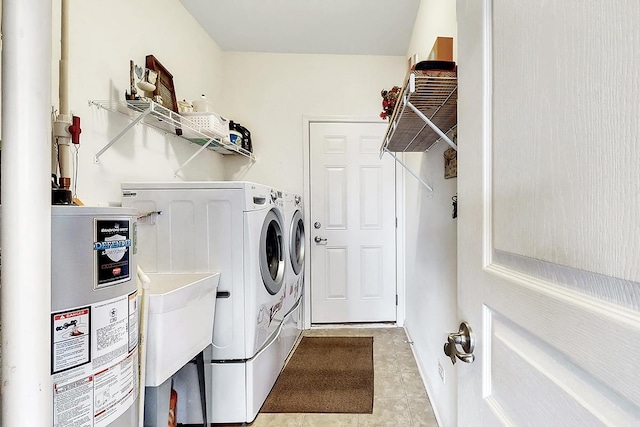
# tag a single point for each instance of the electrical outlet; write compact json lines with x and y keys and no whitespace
{"x":441,"y":371}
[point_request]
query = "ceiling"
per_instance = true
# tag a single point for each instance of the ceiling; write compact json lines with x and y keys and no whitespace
{"x":351,"y":27}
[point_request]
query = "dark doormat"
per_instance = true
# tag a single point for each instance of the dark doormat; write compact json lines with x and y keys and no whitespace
{"x":326,"y":375}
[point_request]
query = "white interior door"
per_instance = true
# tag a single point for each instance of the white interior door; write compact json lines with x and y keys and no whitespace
{"x":549,"y":235}
{"x":352,"y":224}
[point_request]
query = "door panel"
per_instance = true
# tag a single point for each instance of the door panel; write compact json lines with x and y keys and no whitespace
{"x":336,"y":269}
{"x":371,"y":271}
{"x":574,"y":341}
{"x":548,"y":242}
{"x":371,"y":194}
{"x":353,"y":200}
{"x":336,"y":198}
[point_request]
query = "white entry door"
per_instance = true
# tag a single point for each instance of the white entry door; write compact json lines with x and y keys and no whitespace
{"x":352,"y":224}
{"x":549,"y":202}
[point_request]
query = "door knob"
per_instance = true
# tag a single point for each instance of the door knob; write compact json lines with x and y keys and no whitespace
{"x":465,"y":340}
{"x":319,"y":239}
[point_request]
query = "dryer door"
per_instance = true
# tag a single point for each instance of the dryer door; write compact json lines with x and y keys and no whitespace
{"x":272,"y":253}
{"x":296,"y":244}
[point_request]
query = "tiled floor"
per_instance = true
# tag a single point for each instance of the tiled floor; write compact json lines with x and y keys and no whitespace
{"x":399,"y":397}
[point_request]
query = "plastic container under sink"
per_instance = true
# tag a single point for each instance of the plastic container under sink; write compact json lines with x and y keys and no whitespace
{"x":181,"y":311}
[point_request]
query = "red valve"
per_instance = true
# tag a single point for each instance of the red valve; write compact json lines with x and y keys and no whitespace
{"x":74,"y":130}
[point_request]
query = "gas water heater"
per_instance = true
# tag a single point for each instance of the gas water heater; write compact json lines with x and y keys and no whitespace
{"x":94,"y":317}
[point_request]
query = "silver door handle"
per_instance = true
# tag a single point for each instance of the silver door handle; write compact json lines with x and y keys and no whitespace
{"x":319,"y":239}
{"x":463,"y":338}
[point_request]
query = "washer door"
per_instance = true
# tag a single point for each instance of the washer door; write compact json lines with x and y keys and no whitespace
{"x":272,"y":253}
{"x":296,"y":244}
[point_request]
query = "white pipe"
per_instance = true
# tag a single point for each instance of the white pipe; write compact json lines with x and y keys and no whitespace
{"x":64,"y":57}
{"x":144,"y":284}
{"x":61,"y":127}
{"x":26,"y":213}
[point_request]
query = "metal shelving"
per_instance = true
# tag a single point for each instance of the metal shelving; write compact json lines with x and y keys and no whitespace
{"x":425,"y":112}
{"x":155,"y":115}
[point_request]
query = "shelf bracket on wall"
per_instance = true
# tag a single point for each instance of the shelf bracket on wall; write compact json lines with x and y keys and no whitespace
{"x":435,"y":128}
{"x":171,"y":123}
{"x":427,"y":186}
{"x":193,"y":156}
{"x":425,"y":112}
{"x":431,"y":96}
{"x":142,"y":115}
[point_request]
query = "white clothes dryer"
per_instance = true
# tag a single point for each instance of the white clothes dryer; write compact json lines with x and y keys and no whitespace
{"x":235,"y":228}
{"x":294,"y":272}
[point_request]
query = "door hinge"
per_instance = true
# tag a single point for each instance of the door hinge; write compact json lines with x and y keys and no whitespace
{"x":396,"y":299}
{"x":396,"y":222}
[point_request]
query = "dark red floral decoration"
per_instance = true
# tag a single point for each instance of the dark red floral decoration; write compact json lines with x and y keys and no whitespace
{"x":389,"y":99}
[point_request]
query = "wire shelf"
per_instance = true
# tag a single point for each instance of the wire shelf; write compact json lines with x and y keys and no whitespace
{"x":161,"y":118}
{"x":435,"y":97}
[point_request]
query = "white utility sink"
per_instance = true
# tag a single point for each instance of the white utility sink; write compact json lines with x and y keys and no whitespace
{"x":181,"y":310}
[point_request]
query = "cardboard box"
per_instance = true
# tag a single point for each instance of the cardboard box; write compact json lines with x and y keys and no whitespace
{"x":442,"y":49}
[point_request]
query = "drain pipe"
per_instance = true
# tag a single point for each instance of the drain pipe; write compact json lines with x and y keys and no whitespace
{"x":61,"y":158}
{"x":26,"y":213}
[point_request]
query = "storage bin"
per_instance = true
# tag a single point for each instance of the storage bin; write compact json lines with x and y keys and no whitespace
{"x":209,"y":123}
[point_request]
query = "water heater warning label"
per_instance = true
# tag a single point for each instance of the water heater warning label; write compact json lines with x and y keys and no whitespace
{"x":70,"y":339}
{"x":112,"y":247}
{"x":94,"y":362}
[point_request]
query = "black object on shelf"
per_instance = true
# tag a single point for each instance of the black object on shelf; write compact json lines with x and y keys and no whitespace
{"x":436,"y":65}
{"x":246,"y":135}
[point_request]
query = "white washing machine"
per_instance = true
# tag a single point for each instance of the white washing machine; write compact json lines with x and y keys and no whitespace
{"x":294,"y":273}
{"x":237,"y":229}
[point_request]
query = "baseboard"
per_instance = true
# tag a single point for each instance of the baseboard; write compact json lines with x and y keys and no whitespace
{"x":423,"y":377}
{"x":353,"y":325}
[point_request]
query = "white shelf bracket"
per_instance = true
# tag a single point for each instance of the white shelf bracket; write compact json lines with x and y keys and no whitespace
{"x":428,"y":187}
{"x":435,"y":128}
{"x":170,"y":123}
{"x":125,"y":130}
{"x":193,"y":156}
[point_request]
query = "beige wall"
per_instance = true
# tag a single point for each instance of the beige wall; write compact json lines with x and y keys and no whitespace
{"x":267,"y":93}
{"x":270,"y":94}
{"x":430,"y":238}
{"x":102,"y":41}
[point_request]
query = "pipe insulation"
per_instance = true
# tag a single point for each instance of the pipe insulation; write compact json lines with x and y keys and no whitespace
{"x":25,"y":295}
{"x":63,"y":89}
{"x":63,"y":121}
